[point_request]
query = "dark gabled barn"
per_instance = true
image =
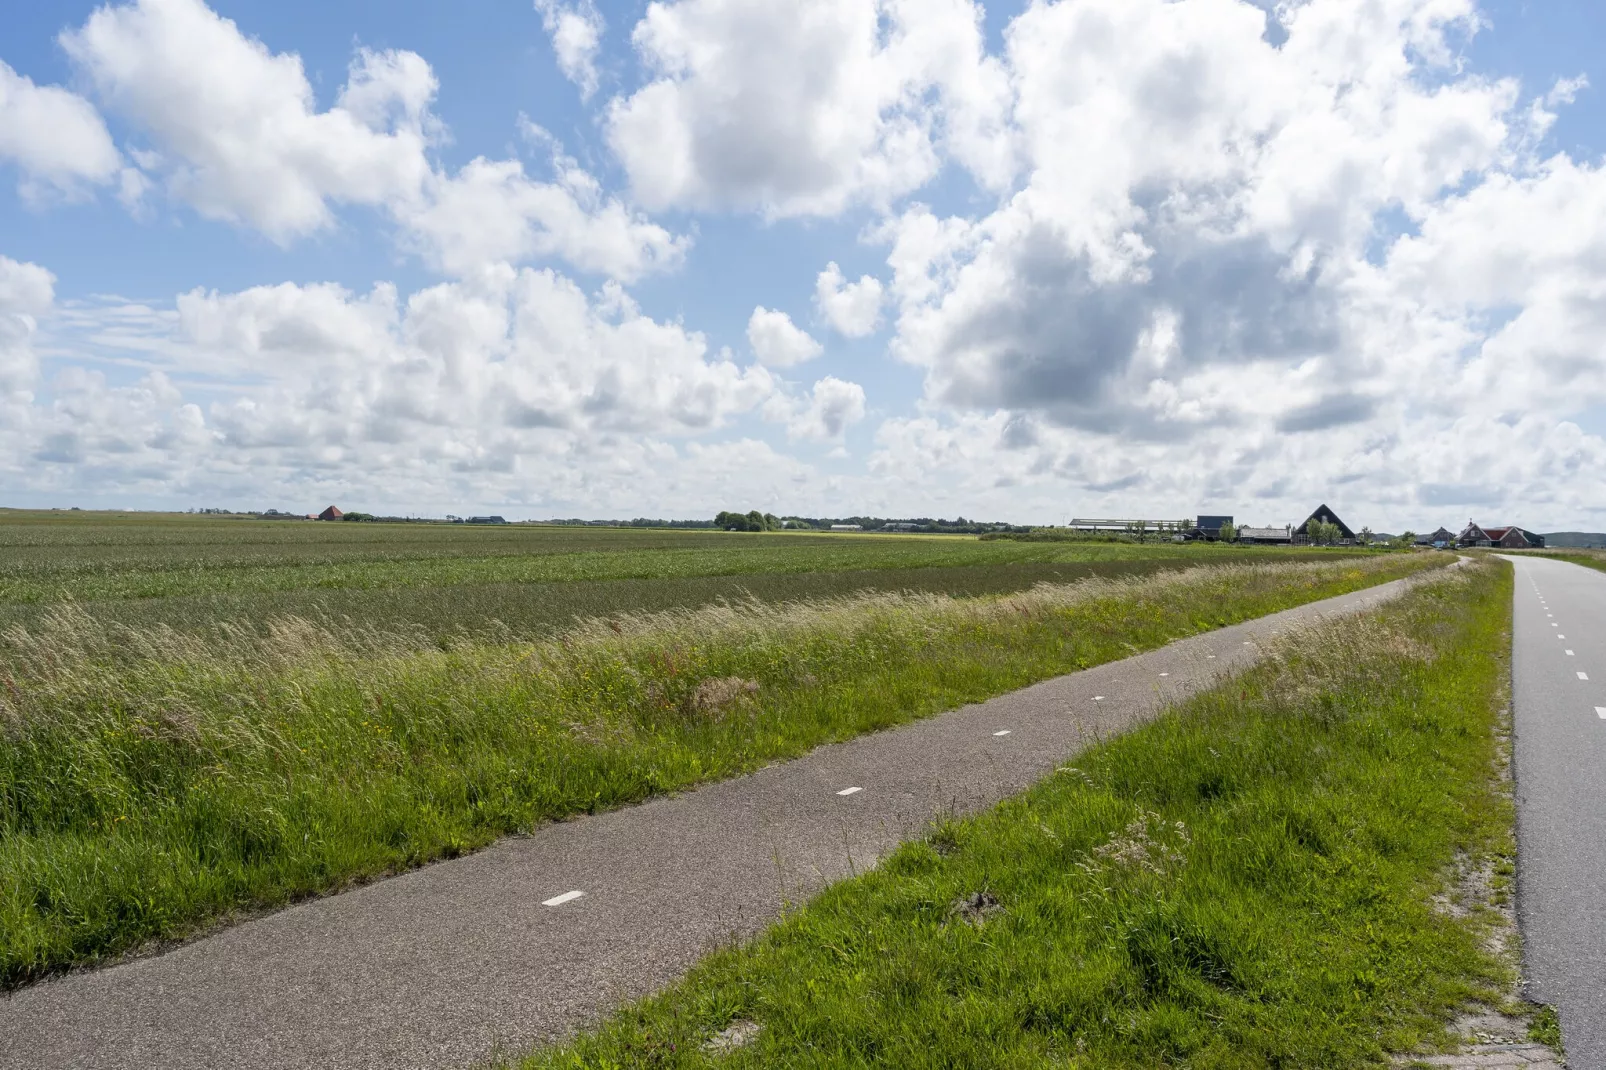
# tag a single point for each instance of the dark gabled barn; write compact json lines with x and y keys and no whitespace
{"x":1508,"y":537}
{"x":1325,"y":515}
{"x":331,"y":513}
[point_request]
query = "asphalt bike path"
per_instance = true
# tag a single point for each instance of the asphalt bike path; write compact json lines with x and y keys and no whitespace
{"x":1558,"y":669}
{"x":536,"y":936}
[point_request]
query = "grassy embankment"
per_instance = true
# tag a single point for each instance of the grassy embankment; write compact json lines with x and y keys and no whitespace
{"x":1244,"y":883}
{"x":154,"y":781}
{"x":1595,"y":559}
{"x":449,"y":580}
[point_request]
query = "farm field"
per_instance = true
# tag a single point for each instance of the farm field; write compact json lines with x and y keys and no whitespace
{"x":157,"y":781}
{"x":189,"y":572}
{"x":1258,"y":879}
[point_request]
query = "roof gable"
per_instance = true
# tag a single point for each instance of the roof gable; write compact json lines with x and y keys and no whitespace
{"x":1327,"y":516}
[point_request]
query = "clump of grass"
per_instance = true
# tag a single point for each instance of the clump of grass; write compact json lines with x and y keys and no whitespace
{"x":153,"y":781}
{"x":1244,"y":883}
{"x":1545,"y":1028}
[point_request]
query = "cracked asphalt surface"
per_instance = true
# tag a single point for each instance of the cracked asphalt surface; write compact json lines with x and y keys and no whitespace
{"x":452,"y":964}
{"x":1559,"y":632}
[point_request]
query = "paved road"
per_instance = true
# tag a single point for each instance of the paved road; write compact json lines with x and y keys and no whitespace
{"x":1559,"y":706}
{"x":446,"y":965}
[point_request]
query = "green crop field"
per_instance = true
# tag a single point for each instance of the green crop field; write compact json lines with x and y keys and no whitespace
{"x":190,"y":571}
{"x":202,"y":716}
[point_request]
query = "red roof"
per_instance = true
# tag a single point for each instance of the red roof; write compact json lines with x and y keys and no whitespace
{"x":331,"y":513}
{"x":1496,"y":534}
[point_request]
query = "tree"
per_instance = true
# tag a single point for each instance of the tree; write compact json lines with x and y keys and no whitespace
{"x":1365,"y":537}
{"x":1228,"y":532}
{"x":1322,"y":534}
{"x":1405,"y":541}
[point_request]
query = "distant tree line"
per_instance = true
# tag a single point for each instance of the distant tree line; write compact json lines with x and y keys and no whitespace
{"x":749,"y":521}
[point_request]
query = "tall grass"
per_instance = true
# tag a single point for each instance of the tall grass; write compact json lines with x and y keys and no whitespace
{"x":532,"y":610}
{"x":1246,"y":883}
{"x":153,"y":781}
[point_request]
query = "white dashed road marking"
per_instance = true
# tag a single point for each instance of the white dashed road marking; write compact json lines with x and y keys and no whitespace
{"x":1602,"y":711}
{"x":1005,"y":732}
{"x":559,"y":900}
{"x":1570,"y":654}
{"x":849,"y":791}
{"x":1165,"y":674}
{"x":1583,"y":676}
{"x":1098,"y":698}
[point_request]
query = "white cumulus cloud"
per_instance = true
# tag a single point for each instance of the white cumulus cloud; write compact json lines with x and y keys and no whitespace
{"x":55,"y":138}
{"x":237,"y":133}
{"x":235,"y":127}
{"x":832,"y":406}
{"x":853,"y":308}
{"x":492,"y":211}
{"x":805,"y":109}
{"x":777,"y":341}
{"x":27,"y":292}
{"x":576,"y":33}
{"x":1197,"y":200}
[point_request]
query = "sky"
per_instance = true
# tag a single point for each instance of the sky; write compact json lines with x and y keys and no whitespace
{"x":1017,"y":261}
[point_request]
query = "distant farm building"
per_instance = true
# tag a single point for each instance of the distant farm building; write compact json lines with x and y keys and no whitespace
{"x":1209,"y":527}
{"x":1441,"y":538}
{"x":903,"y":525}
{"x":486,"y":520}
{"x":1507,"y":538}
{"x":1324,"y":515}
{"x":1266,"y":536}
{"x":331,"y":513}
{"x":847,"y":527}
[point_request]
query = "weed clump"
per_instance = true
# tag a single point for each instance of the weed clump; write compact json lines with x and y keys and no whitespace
{"x":715,"y":696}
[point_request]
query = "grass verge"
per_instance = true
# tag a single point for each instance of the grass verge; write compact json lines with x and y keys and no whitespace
{"x":1595,"y":559}
{"x":152,"y":782}
{"x":1247,"y":882}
